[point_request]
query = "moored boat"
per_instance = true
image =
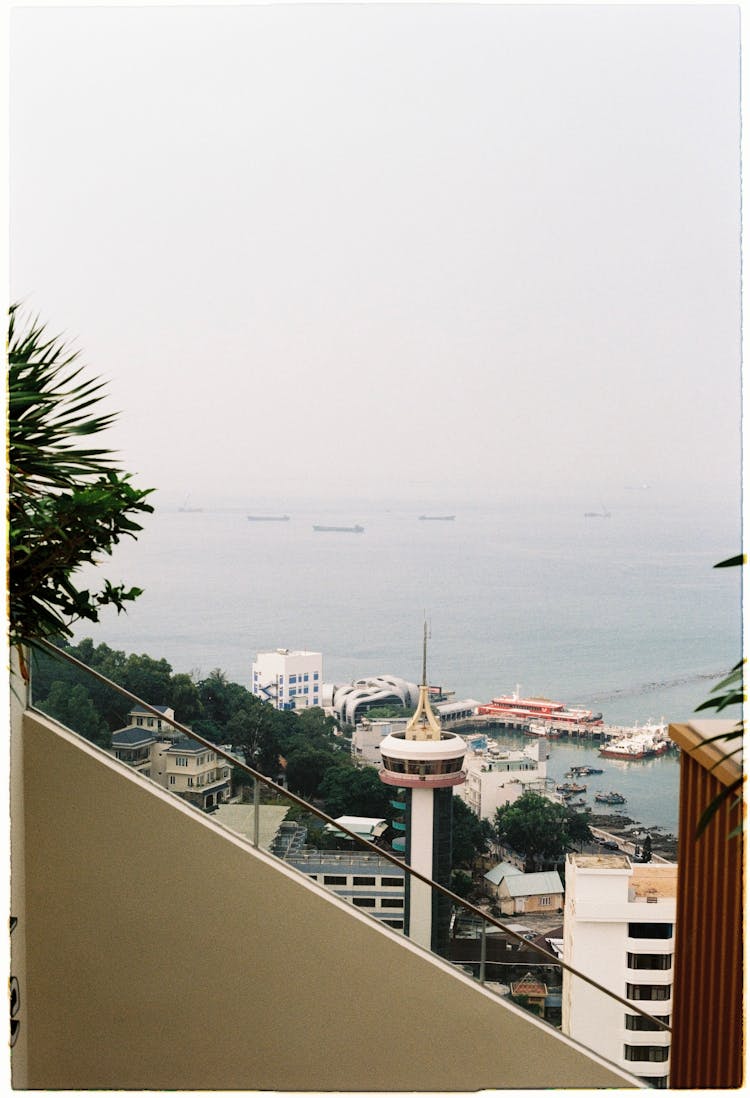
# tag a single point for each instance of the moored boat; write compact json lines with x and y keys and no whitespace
{"x":638,"y":745}
{"x":609,"y":798}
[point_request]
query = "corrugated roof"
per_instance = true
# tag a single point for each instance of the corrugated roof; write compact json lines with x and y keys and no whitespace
{"x":533,"y":884}
{"x":499,"y":871}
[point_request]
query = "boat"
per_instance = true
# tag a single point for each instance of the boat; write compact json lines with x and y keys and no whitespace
{"x":512,"y":707}
{"x":646,"y":742}
{"x":339,"y":529}
{"x":609,"y":798}
{"x":583,"y":771}
{"x":576,"y":804}
{"x":436,"y":518}
{"x":539,"y":728}
{"x":268,"y":518}
{"x":604,"y":513}
{"x":570,"y":788}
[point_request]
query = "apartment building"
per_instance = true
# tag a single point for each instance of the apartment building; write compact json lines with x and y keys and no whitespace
{"x":619,"y":929}
{"x":364,"y":880}
{"x":288,"y":679}
{"x":496,"y":777}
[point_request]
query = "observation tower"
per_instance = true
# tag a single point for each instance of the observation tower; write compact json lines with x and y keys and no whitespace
{"x":425,"y":762}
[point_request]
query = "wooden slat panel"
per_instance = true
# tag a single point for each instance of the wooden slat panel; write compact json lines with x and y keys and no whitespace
{"x":708,"y":991}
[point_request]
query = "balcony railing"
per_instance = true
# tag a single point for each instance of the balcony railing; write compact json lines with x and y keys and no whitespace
{"x":482,"y":962}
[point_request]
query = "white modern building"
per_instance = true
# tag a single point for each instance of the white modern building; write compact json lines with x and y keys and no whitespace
{"x":351,"y":701}
{"x":620,"y":930}
{"x":495,"y":777}
{"x":288,"y":679}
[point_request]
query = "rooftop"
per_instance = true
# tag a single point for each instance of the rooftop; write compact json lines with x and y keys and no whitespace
{"x":132,"y":737}
{"x":654,"y":880}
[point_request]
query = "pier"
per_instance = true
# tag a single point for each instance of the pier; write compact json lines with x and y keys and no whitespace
{"x":585,"y":730}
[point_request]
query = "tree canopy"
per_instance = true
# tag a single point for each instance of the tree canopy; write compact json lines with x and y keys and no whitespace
{"x":540,"y":829}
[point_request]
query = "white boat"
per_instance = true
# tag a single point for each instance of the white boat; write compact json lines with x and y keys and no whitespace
{"x":637,"y":743}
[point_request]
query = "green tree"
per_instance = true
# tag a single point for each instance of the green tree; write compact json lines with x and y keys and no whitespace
{"x":305,"y":768}
{"x":253,"y":730}
{"x":71,"y":704}
{"x":354,"y":791}
{"x":470,"y":835}
{"x":68,"y":503}
{"x":537,"y":828}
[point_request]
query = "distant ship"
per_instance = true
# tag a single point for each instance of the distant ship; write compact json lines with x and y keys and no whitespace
{"x":189,"y":510}
{"x":639,"y":746}
{"x":268,"y":518}
{"x":436,"y":518}
{"x":604,"y":513}
{"x":340,"y":529}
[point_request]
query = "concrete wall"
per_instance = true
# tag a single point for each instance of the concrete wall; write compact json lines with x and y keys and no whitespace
{"x":161,"y":952}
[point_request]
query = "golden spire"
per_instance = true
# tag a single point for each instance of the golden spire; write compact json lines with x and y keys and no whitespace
{"x":424,"y":725}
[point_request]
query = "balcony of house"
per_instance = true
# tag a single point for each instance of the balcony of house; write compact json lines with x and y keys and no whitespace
{"x":115,"y":949}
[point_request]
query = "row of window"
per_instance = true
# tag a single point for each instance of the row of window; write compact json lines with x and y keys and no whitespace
{"x":638,"y":1022}
{"x":653,"y":961}
{"x":336,"y":879}
{"x":301,"y":677}
{"x":650,"y":930}
{"x":370,"y":901}
{"x":414,"y":766}
{"x":649,"y":991}
{"x":653,"y":1054}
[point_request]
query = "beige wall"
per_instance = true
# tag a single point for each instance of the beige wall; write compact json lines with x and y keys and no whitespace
{"x":164,"y":953}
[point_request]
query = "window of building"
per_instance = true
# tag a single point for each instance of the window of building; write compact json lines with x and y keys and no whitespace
{"x":281,"y":678}
{"x":331,"y":879}
{"x":363,"y":901}
{"x":657,"y":1082}
{"x":654,"y":961}
{"x":305,"y":678}
{"x":391,"y":901}
{"x":364,"y":881}
{"x":190,"y":781}
{"x":654,"y":1054}
{"x":292,"y":691}
{"x":649,"y":991}
{"x":172,"y":779}
{"x":139,"y":721}
{"x":313,"y":876}
{"x":545,"y":901}
{"x":650,"y":930}
{"x":292,"y":678}
{"x":150,"y":722}
{"x":181,"y":760}
{"x":315,"y":676}
{"x":397,"y":923}
{"x":638,"y":1022}
{"x":392,"y":882}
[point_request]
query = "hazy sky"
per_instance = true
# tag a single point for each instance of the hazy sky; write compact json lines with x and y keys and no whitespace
{"x":390,"y":250}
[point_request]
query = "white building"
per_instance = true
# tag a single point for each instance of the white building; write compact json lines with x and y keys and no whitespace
{"x":288,"y":679}
{"x":497,"y":777}
{"x":368,"y":735}
{"x":352,"y":700}
{"x":619,"y":929}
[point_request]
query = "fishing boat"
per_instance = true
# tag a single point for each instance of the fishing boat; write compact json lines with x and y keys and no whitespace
{"x":570,"y":788}
{"x":582,"y":771}
{"x":339,"y":529}
{"x":609,"y":798}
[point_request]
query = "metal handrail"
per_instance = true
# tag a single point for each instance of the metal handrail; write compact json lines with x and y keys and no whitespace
{"x":56,"y":652}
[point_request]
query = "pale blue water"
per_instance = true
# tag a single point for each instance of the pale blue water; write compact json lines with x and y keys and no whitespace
{"x":625,"y":614}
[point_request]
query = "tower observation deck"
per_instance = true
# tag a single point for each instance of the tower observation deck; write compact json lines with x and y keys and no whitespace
{"x":426,"y":762}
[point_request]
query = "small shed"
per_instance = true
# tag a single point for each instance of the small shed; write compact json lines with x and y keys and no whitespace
{"x":495,"y":875}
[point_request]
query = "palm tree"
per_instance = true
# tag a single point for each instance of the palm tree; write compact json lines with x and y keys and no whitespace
{"x":68,"y":503}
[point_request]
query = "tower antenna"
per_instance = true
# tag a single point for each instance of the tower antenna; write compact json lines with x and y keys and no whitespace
{"x":424,"y":656}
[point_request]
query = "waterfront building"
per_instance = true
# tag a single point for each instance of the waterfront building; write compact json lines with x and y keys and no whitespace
{"x":620,"y":930}
{"x":425,"y":764}
{"x":351,"y":702}
{"x":498,"y":777}
{"x":288,"y":679}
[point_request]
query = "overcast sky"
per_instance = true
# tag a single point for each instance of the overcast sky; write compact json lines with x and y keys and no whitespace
{"x":390,"y":250}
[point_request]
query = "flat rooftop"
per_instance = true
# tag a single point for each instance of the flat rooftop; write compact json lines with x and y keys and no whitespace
{"x":601,"y":861}
{"x":654,"y":880}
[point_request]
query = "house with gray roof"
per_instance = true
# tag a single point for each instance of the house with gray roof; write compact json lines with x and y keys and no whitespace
{"x":522,"y":893}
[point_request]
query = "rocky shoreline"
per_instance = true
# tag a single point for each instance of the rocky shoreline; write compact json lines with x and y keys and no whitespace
{"x":663,"y":843}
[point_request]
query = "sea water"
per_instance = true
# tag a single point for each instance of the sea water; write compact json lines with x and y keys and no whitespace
{"x":624,"y":614}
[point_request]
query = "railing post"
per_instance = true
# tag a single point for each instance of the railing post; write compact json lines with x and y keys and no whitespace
{"x":256,"y":811}
{"x":483,"y":952}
